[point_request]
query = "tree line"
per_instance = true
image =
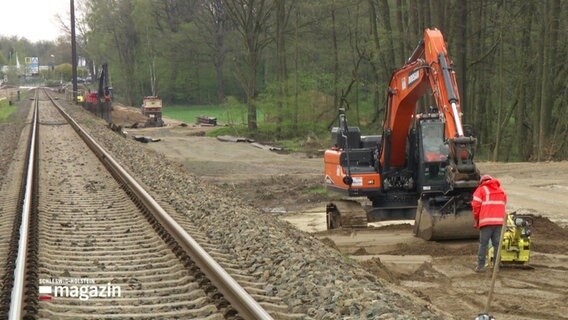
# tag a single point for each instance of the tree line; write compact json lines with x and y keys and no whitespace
{"x":299,"y":61}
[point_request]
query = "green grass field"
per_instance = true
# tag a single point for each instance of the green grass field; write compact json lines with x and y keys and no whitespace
{"x":224,"y":114}
{"x":5,"y":110}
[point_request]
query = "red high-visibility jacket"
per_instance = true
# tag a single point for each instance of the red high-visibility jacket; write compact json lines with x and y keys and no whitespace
{"x":488,"y":204}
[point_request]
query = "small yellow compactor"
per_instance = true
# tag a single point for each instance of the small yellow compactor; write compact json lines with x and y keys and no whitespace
{"x":515,"y":248}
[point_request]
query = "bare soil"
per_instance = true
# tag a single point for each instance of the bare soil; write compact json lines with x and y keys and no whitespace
{"x":289,"y":186}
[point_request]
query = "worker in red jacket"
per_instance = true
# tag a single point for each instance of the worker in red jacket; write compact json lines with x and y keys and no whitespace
{"x":488,"y":205}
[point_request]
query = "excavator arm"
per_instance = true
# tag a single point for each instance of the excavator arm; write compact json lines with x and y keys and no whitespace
{"x":443,"y":209}
{"x":427,"y":69}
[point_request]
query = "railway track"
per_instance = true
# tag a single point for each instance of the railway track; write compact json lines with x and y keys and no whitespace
{"x":94,"y":244}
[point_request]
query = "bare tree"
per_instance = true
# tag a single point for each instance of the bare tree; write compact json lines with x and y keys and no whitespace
{"x":282,"y":17}
{"x":111,"y":22}
{"x":213,"y":24}
{"x":251,"y":18}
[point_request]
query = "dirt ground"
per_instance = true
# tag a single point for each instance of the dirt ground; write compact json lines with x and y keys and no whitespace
{"x":9,"y":93}
{"x":289,"y":186}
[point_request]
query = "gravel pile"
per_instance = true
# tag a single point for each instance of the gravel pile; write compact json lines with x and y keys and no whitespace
{"x":311,"y":277}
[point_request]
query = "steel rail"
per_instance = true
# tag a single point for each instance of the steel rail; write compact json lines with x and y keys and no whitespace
{"x":242,"y":301}
{"x":17,"y":296}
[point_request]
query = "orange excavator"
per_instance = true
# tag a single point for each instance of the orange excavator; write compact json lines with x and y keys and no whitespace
{"x":421,"y":167}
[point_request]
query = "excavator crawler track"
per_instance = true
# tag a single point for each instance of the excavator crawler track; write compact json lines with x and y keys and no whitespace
{"x":345,"y":214}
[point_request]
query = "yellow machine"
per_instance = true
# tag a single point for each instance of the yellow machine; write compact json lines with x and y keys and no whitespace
{"x":152,"y":108}
{"x":515,"y":249}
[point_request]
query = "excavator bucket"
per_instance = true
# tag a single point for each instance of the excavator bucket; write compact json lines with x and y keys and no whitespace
{"x":432,"y":224}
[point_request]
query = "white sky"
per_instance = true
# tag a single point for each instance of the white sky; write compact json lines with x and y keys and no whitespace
{"x":33,"y":19}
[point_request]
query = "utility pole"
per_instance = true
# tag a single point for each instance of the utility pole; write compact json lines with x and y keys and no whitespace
{"x":73,"y":51}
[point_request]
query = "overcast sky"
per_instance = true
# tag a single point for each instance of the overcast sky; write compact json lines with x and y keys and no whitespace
{"x":32,"y":19}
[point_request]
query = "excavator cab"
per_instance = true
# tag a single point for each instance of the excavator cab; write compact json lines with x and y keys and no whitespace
{"x":433,"y":153}
{"x":443,"y":209}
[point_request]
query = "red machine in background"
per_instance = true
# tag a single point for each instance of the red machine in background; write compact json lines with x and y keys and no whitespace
{"x":421,"y":167}
{"x":100,"y":102}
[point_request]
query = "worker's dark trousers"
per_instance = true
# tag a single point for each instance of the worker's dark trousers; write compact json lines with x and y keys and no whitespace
{"x":487,"y":233}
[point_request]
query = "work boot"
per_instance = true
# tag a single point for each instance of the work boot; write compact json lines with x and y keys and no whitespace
{"x":479,"y":269}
